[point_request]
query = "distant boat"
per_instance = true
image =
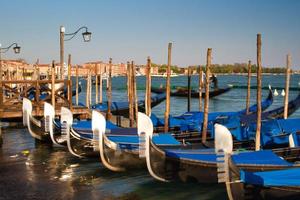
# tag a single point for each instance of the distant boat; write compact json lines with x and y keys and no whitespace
{"x":183,"y":92}
{"x":164,"y":75}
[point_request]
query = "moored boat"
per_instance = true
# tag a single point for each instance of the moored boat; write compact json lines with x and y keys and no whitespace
{"x":186,"y":164}
{"x":183,"y":92}
{"x":244,"y":184}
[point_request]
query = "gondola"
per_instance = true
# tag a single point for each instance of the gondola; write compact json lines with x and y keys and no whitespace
{"x":36,"y":127}
{"x":183,"y":92}
{"x":84,"y":143}
{"x":192,"y":121}
{"x":46,"y":129}
{"x":200,"y":165}
{"x":121,"y":145}
{"x":76,"y":136}
{"x":119,"y":152}
{"x":87,"y":124}
{"x":122,"y":108}
{"x":125,"y":146}
{"x":243,"y":184}
{"x":40,"y":129}
{"x":243,"y":127}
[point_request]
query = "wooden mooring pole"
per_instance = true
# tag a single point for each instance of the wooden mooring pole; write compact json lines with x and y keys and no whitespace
{"x":101,"y":85}
{"x":53,"y":84}
{"x":148,"y":87}
{"x":200,"y":85}
{"x":206,"y":101}
{"x":130,"y":94}
{"x":96,"y":83}
{"x":134,"y":92}
{"x":70,"y":83}
{"x":37,"y":87}
{"x":108,"y":91}
{"x":77,"y":82}
{"x":259,"y":68}
{"x":87,"y":101}
{"x":91,"y":86}
{"x":128,"y":81}
{"x":248,"y":88}
{"x":287,"y":86}
{"x":168,"y":90}
{"x":189,"y":90}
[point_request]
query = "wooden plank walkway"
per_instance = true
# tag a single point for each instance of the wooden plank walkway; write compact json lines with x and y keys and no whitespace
{"x":15,"y":111}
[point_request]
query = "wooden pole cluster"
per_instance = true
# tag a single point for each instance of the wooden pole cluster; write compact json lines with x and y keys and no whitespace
{"x":248,"y":88}
{"x":168,"y":90}
{"x":90,"y":86}
{"x":287,"y":86}
{"x":37,"y":86}
{"x":189,"y":90}
{"x":62,"y":46}
{"x":87,"y":97}
{"x":148,"y":87}
{"x":259,"y":69}
{"x":129,"y":93}
{"x":134,"y":92}
{"x":128,"y":83}
{"x":108,"y":91}
{"x":70,"y":83}
{"x":53,"y":84}
{"x":200,"y":84}
{"x":206,"y":102}
{"x":101,"y":85}
{"x":96,"y":83}
{"x":77,"y":82}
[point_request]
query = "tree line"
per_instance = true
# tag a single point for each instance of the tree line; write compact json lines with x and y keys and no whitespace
{"x":222,"y":68}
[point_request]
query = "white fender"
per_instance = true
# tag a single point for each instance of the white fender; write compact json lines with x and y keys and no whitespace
{"x":49,"y":110}
{"x":98,"y":127}
{"x":275,"y":93}
{"x":98,"y":121}
{"x":27,"y":110}
{"x":66,"y":115}
{"x":145,"y":127}
{"x":223,"y":139}
{"x":283,"y":93}
{"x":145,"y":130}
{"x":27,"y":116}
{"x":68,"y":135}
{"x":291,"y":141}
{"x":49,"y":115}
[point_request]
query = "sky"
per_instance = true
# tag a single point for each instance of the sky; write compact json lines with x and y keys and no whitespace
{"x":134,"y":29}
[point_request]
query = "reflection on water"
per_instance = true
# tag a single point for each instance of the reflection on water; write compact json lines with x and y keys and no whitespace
{"x":40,"y":171}
{"x":36,"y":171}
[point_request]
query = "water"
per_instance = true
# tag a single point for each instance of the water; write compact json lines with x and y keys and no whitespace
{"x":34,"y":171}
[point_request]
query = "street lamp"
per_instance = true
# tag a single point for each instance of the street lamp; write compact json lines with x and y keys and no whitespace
{"x":69,"y":36}
{"x":16,"y":49}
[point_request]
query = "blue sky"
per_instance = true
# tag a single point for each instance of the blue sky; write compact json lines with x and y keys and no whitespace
{"x":134,"y":29}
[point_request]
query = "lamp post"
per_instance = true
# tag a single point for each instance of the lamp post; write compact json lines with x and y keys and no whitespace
{"x":17,"y":50}
{"x":69,"y":36}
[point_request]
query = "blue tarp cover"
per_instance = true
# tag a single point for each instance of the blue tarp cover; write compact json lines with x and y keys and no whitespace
{"x":266,"y":157}
{"x":159,"y":139}
{"x":285,"y":177}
